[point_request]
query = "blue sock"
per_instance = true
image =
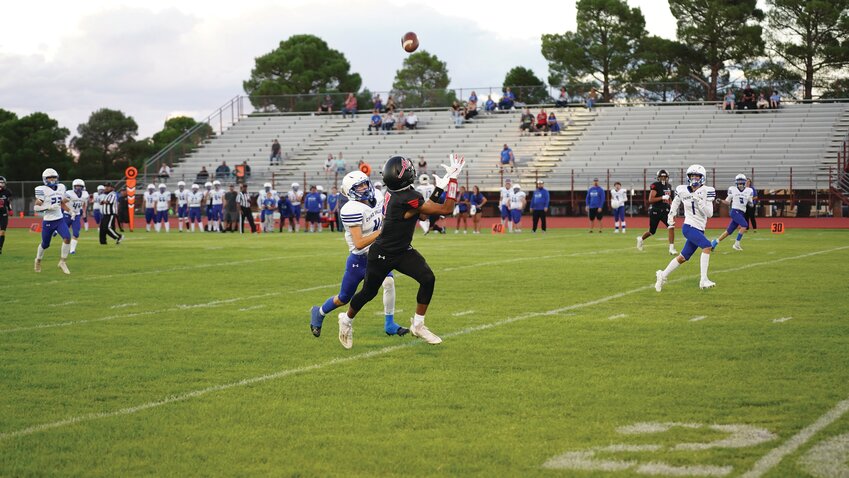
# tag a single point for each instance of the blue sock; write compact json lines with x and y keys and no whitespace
{"x":739,"y":236}
{"x":390,"y":326}
{"x":327,"y":307}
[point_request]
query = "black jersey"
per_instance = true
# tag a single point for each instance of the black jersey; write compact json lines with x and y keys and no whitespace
{"x":398,"y":232}
{"x":5,"y":201}
{"x":661,"y":190}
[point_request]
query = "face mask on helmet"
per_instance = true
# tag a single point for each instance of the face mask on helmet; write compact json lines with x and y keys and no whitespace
{"x":695,"y":180}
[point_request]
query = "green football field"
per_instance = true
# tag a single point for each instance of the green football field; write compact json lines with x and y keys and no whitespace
{"x":190,"y":355}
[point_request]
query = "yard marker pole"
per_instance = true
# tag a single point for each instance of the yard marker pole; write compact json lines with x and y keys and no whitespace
{"x":131,"y":174}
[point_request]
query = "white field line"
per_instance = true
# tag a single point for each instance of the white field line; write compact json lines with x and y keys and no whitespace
{"x":617,"y":316}
{"x":121,"y":306}
{"x":253,"y":307}
{"x":774,"y":457}
{"x":460,"y":314}
{"x":696,"y":319}
{"x":783,"y":319}
{"x":824,"y":421}
{"x":536,"y":258}
{"x":63,"y":304}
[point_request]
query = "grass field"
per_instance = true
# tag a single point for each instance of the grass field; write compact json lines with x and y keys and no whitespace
{"x":190,"y":355}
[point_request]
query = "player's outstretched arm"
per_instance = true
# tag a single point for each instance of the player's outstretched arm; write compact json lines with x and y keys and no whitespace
{"x":673,"y":210}
{"x":360,"y":241}
{"x":447,"y":183}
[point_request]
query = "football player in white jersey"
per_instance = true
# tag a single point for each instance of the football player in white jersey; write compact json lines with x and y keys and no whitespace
{"x":217,"y":200}
{"x":296,"y":198}
{"x":182,"y":195}
{"x":163,"y":203}
{"x":195,"y":199}
{"x":78,"y":202}
{"x":207,"y":199}
{"x":150,"y":197}
{"x":362,"y":216}
{"x":517,"y":205}
{"x":504,"y":202}
{"x":739,"y":198}
{"x":94,"y":200}
{"x":425,"y":189}
{"x":618,"y":198}
{"x":698,"y":202}
{"x":50,"y":201}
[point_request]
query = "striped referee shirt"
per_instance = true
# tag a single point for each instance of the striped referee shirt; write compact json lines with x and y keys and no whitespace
{"x":108,"y":204}
{"x":244,"y":199}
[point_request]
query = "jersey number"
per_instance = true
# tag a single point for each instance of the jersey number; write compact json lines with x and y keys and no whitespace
{"x":693,"y":203}
{"x":376,"y":224}
{"x":741,"y":200}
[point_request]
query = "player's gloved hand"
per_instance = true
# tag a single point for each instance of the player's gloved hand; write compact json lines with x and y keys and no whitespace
{"x":670,"y":221}
{"x":457,"y":162}
{"x":665,"y":197}
{"x":441,"y":183}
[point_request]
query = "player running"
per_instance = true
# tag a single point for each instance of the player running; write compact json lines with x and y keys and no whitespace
{"x":150,"y":198}
{"x":182,"y":195}
{"x":78,"y":202}
{"x":5,"y":210}
{"x":362,"y":216}
{"x":618,"y":198}
{"x":739,"y":198}
{"x":50,"y":200}
{"x":660,"y":197}
{"x":392,"y":250}
{"x":698,"y":208}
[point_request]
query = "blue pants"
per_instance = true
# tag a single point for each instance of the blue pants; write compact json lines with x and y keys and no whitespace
{"x":695,"y":240}
{"x":355,"y":272}
{"x":162,"y":216}
{"x":194,"y":214}
{"x":516,"y":214}
{"x":505,"y":212}
{"x":183,"y":211}
{"x":738,"y":218}
{"x":619,"y":214}
{"x":296,"y":212}
{"x":97,"y":216}
{"x":74,"y":224}
{"x":217,"y":212}
{"x":59,"y":226}
{"x":209,"y":213}
{"x":149,"y":215}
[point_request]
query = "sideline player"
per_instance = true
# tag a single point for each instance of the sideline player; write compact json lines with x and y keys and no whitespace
{"x":78,"y":202}
{"x":698,"y":208}
{"x":207,"y":199}
{"x":217,"y":200}
{"x":94,"y":199}
{"x":362,"y":216}
{"x":739,"y":198}
{"x":618,"y":198}
{"x":50,"y":200}
{"x":5,"y":210}
{"x":517,"y":205}
{"x":163,"y":203}
{"x":150,"y":197}
{"x":195,"y":199}
{"x":182,"y":195}
{"x":660,"y":197}
{"x":392,"y":250}
{"x":504,"y":203}
{"x":296,"y":198}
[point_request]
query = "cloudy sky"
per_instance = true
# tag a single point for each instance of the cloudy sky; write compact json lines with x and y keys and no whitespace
{"x":154,"y":59}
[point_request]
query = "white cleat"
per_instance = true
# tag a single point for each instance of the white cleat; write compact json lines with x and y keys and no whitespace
{"x":659,"y":281}
{"x":672,"y":251}
{"x":37,"y":265}
{"x":737,"y":247}
{"x":706,"y":284}
{"x":64,"y":267}
{"x":425,"y":334}
{"x":639,"y":243}
{"x":346,"y":331}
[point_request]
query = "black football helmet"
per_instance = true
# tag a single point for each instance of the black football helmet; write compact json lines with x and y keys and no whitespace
{"x":398,"y":173}
{"x":2,"y":182}
{"x":660,"y":173}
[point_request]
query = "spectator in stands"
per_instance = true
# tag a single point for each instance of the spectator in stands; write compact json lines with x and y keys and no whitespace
{"x":400,"y":121}
{"x":364,"y":167}
{"x":376,"y":121}
{"x":489,"y":106}
{"x":542,"y":122}
{"x":592,"y":97}
{"x":411,"y":121}
{"x":774,"y":100}
{"x":473,"y":97}
{"x":275,"y":152}
{"x":239,"y":172}
{"x":595,"y":203}
{"x":378,"y":102}
{"x":202,"y":176}
{"x":341,"y":169}
{"x":390,"y":104}
{"x":326,"y":106}
{"x":553,"y":124}
{"x":747,"y":102}
{"x":507,"y":100}
{"x":422,"y":165}
{"x":562,"y":100}
{"x":457,"y":113}
{"x":507,"y":159}
{"x":526,"y":122}
{"x":762,"y":102}
{"x":222,"y":171}
{"x":329,"y":165}
{"x":164,"y":172}
{"x":350,"y":107}
{"x":729,"y":102}
{"x":247,"y":168}
{"x":388,"y":121}
{"x":471,"y":110}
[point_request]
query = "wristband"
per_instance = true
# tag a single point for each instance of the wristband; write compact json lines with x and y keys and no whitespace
{"x":436,"y":194}
{"x":453,"y":188}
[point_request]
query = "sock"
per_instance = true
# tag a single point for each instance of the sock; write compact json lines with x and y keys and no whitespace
{"x":510,"y":226}
{"x":65,"y":249}
{"x":704,"y":261}
{"x":167,"y":227}
{"x":623,"y":226}
{"x":193,"y":227}
{"x":157,"y":226}
{"x":389,"y":297}
{"x":673,"y":264}
{"x":418,"y":320}
{"x":148,"y":227}
{"x":73,"y":245}
{"x":327,"y":307}
{"x":671,"y":247}
{"x":40,"y":253}
{"x":86,"y":226}
{"x":2,"y":240}
{"x":180,"y":225}
{"x":346,"y":318}
{"x":739,"y":236}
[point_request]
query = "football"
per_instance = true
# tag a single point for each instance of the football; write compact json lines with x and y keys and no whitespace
{"x":410,"y":42}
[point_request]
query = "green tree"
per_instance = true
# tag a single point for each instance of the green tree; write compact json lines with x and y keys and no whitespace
{"x":422,"y":82}
{"x":173,"y":129}
{"x":809,"y":36}
{"x":602,"y":47}
{"x":101,"y":143}
{"x":662,"y":72}
{"x":837,"y":89}
{"x":31,"y":144}
{"x":717,"y":32}
{"x":526,"y":86}
{"x":302,"y":64}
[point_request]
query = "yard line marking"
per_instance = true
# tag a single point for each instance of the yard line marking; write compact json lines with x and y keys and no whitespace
{"x":783,"y":319}
{"x":696,"y":319}
{"x":253,"y":307}
{"x":783,"y":450}
{"x":774,"y":457}
{"x":617,"y":316}
{"x":121,"y":306}
{"x":460,"y":314}
{"x":77,"y":322}
{"x":520,"y":259}
{"x":63,"y":304}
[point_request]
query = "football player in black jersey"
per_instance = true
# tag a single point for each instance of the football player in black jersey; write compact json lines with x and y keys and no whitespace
{"x":403,"y":206}
{"x":660,"y":197}
{"x":5,"y":210}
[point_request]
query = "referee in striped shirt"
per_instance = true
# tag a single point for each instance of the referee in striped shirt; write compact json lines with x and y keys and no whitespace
{"x":109,"y":211}
{"x":244,"y":199}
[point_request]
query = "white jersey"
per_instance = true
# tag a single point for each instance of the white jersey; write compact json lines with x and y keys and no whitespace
{"x":76,"y":202}
{"x":505,"y":197}
{"x":95,"y":201}
{"x":426,"y":190}
{"x":48,"y":195}
{"x":195,"y":198}
{"x":698,"y":205}
{"x":517,"y":200}
{"x":163,"y":200}
{"x":379,"y":196}
{"x":295,"y":197}
{"x":739,"y":199}
{"x":618,"y":198}
{"x":355,"y":213}
{"x":182,"y":197}
{"x":150,"y":199}
{"x":217,"y":197}
{"x":262,"y":194}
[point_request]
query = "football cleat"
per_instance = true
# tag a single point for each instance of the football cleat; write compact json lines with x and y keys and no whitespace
{"x":316,"y":331}
{"x":737,"y":247}
{"x":120,"y":238}
{"x":315,"y":321}
{"x":706,"y":284}
{"x":425,"y":334}
{"x":346,"y":331}
{"x":64,"y":267}
{"x":639,"y":243}
{"x":659,"y":281}
{"x":672,"y":251}
{"x":395,"y":329}
{"x":37,"y":265}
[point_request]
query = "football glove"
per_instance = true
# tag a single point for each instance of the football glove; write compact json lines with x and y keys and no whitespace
{"x":670,"y":221}
{"x":457,"y":163}
{"x":441,"y":183}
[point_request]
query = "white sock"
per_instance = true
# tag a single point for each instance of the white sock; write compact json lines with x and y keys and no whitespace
{"x":672,"y":247}
{"x":74,"y":245}
{"x":623,"y":226}
{"x":157,"y":226}
{"x":737,"y":242}
{"x":673,"y":264}
{"x":192,"y":226}
{"x":418,"y":320}
{"x":147,"y":227}
{"x":39,"y":253}
{"x":180,"y":225}
{"x":389,"y":296}
{"x":510,"y":226}
{"x":345,"y":317}
{"x":66,"y":248}
{"x":704,"y":261}
{"x":167,"y":227}
{"x":86,"y":226}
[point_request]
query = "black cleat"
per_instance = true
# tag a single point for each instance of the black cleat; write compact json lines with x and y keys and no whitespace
{"x":400,"y":332}
{"x":316,"y":331}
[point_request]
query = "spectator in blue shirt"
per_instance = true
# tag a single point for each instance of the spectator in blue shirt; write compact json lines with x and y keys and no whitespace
{"x":539,"y":205}
{"x":464,"y":202}
{"x":507,"y":100}
{"x":595,"y":203}
{"x":312,"y":203}
{"x":476,"y":210}
{"x":507,"y":158}
{"x":489,"y":106}
{"x":376,"y":121}
{"x":333,"y":208}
